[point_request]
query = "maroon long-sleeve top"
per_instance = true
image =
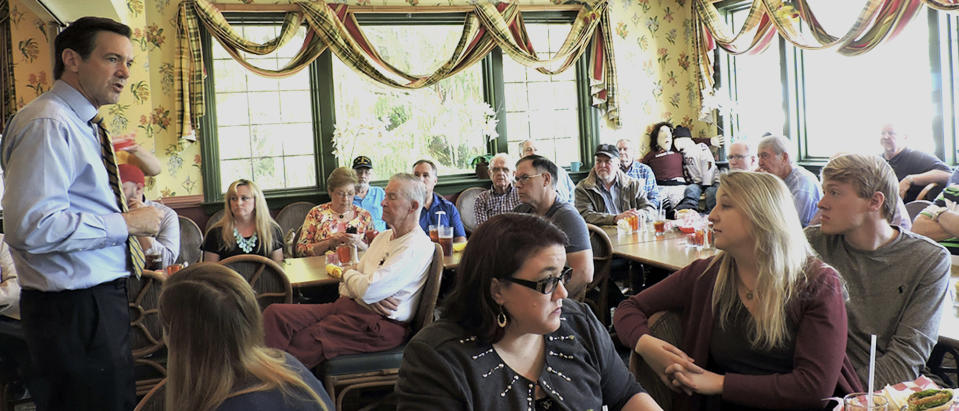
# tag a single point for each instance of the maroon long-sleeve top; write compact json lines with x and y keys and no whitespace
{"x":820,"y":366}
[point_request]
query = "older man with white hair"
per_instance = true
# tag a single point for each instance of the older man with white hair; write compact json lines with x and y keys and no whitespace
{"x":774,"y":158}
{"x":378,"y":296}
{"x":741,"y":156}
{"x":502,"y":197}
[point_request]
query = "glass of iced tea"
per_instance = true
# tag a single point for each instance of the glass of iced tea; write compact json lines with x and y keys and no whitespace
{"x":660,"y":227}
{"x":434,"y":236}
{"x":634,"y":222}
{"x":344,"y":252}
{"x":699,"y":237}
{"x":446,"y":239}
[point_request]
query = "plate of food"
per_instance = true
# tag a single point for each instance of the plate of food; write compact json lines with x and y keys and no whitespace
{"x":930,"y":400}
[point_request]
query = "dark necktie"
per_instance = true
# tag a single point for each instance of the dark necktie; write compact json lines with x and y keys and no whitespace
{"x":137,"y":260}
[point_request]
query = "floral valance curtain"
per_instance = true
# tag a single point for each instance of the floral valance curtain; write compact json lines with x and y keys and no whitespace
{"x":334,"y":26}
{"x":797,"y":24}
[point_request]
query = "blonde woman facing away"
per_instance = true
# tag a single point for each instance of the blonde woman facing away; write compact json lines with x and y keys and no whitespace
{"x":246,"y":226}
{"x":764,"y":321}
{"x":217,"y":361}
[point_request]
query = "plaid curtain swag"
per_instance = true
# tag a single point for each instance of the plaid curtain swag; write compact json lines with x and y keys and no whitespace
{"x":333,"y":26}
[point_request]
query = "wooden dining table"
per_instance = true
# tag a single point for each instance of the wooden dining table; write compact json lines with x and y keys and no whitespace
{"x":617,"y":236}
{"x":311,"y":271}
{"x":307,"y":271}
{"x":669,"y":251}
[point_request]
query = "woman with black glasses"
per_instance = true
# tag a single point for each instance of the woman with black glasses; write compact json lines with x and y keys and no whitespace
{"x":508,"y":338}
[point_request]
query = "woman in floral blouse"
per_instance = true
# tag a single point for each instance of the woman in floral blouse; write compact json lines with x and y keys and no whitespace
{"x":328,"y":225}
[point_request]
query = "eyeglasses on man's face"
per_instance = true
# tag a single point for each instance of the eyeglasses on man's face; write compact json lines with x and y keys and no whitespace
{"x":546,"y":285}
{"x":525,"y":178}
{"x":736,"y":157}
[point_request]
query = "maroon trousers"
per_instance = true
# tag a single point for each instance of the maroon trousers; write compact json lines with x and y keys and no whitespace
{"x":314,"y":333}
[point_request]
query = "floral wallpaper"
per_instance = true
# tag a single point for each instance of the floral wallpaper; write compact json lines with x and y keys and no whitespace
{"x":652,"y":38}
{"x":653,"y":42}
{"x":32,"y":43}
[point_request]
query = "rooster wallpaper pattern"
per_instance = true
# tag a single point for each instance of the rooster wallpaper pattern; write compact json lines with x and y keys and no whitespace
{"x":653,"y":50}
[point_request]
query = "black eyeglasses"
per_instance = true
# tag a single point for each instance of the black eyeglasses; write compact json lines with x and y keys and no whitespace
{"x":546,"y":285}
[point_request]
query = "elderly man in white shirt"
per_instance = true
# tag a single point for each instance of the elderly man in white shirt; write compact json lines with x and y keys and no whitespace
{"x":9,"y":287}
{"x":377,"y":297}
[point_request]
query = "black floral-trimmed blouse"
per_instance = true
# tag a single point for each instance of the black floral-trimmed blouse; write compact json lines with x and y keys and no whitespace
{"x":445,"y":369}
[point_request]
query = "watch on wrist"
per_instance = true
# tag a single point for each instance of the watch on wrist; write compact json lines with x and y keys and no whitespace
{"x":937,"y":213}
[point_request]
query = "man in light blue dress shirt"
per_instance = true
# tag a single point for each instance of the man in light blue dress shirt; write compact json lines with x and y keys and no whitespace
{"x":66,"y":230}
{"x":368,"y":197}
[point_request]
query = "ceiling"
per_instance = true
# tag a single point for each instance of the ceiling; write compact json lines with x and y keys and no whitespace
{"x":66,"y":11}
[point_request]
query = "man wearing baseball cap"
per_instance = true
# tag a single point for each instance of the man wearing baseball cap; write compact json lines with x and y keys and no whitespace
{"x":166,"y":243}
{"x":368,"y":197}
{"x":608,"y":195}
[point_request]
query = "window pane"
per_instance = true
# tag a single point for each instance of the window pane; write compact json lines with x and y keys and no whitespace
{"x":446,"y":122}
{"x":541,"y":107}
{"x":234,"y":142}
{"x":757,"y":90}
{"x":264,"y":124}
{"x":846,"y":97}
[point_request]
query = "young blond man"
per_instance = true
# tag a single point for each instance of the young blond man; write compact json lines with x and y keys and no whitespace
{"x":897,"y":280}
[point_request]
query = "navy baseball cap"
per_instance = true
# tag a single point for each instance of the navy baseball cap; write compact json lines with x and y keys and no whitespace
{"x":362,"y":162}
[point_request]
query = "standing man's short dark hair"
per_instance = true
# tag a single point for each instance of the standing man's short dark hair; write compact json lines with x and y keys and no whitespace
{"x":68,"y":229}
{"x":81,"y":37}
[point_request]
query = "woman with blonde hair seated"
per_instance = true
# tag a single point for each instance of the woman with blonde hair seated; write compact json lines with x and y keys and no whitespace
{"x":217,"y":361}
{"x":246,"y":226}
{"x":764,"y":321}
{"x":337,"y":222}
{"x":509,"y":339}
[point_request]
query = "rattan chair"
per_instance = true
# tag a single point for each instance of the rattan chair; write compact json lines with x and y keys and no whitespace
{"x":380,"y":369}
{"x":915,"y":207}
{"x":667,"y":327}
{"x":291,"y":217}
{"x":146,"y":331}
{"x":191,"y":238}
{"x":602,"y":260}
{"x":213,"y":220}
{"x":267,"y":278}
{"x":466,"y":204}
{"x":154,"y":400}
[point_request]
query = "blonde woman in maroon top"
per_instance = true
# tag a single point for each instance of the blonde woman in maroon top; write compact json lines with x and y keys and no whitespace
{"x":764,"y":321}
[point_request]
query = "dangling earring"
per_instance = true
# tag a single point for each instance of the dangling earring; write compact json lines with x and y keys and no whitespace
{"x":501,"y":317}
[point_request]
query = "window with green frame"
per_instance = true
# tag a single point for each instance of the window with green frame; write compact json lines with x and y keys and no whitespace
{"x":288,"y":134}
{"x":830,"y":103}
